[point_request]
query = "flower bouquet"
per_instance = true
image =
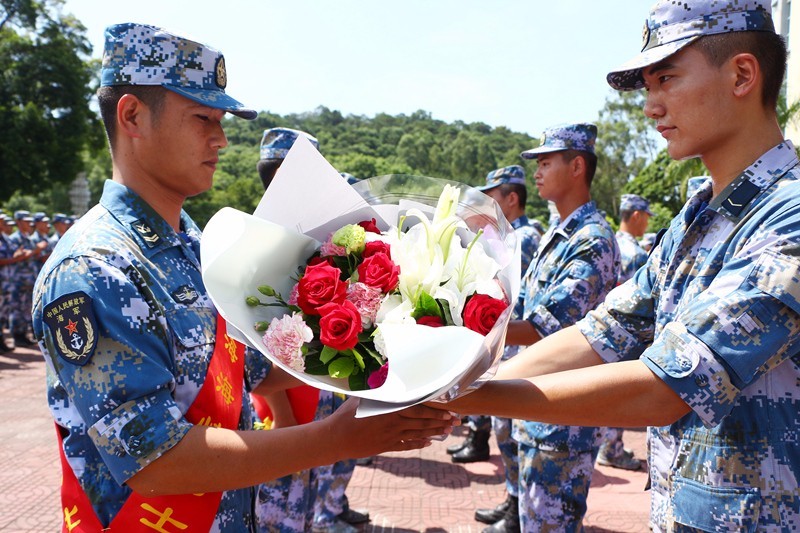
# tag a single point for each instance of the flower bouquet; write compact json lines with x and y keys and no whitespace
{"x":397,"y":290}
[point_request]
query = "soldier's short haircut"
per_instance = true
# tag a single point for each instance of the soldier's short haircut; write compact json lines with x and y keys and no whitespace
{"x":108,"y":97}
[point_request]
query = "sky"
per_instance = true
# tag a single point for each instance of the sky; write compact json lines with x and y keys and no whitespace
{"x":523,"y":64}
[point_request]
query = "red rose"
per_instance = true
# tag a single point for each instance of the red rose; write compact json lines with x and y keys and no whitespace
{"x":481,"y":312}
{"x":431,"y":321}
{"x":339,"y":325}
{"x":376,"y":247}
{"x":380,"y":272}
{"x":370,"y":226}
{"x":317,"y":259}
{"x":318,"y":286}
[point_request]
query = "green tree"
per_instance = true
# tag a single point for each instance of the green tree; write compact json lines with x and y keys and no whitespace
{"x":45,"y":88}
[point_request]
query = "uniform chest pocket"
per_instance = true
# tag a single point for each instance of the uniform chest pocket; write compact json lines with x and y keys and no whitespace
{"x":705,"y":508}
{"x":192,"y":326}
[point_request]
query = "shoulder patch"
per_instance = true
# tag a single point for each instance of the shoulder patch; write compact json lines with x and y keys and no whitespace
{"x":72,"y":323}
{"x":185,"y":294}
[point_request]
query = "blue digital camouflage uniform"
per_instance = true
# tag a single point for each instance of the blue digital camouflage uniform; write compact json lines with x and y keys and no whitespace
{"x":631,"y":257}
{"x":146,"y":334}
{"x":529,"y":241}
{"x":715,"y":314}
{"x":7,"y":249}
{"x":576,"y":266}
{"x":286,"y":504}
{"x":24,"y":276}
{"x":332,"y":480}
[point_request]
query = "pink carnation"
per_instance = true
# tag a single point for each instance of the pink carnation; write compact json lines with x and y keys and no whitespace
{"x":328,"y":248}
{"x":293,"y":295}
{"x":367,"y":300}
{"x":285,"y":338}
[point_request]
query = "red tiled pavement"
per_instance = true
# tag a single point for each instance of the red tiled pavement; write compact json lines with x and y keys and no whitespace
{"x":404,"y":492}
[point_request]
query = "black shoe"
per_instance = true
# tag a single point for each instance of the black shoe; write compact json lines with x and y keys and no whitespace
{"x":477,"y":449}
{"x":23,"y":340}
{"x":455,"y":448}
{"x":353,"y":517}
{"x":510,"y":521}
{"x":490,"y":516}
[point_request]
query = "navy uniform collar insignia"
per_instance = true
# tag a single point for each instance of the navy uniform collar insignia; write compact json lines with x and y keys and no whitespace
{"x":185,"y":295}
{"x":735,"y":199}
{"x":146,"y":232}
{"x":71,"y":321}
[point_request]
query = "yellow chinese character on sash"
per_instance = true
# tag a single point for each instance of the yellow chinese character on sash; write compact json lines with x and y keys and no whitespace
{"x":206,"y":421}
{"x":68,"y":514}
{"x":225,"y":388}
{"x":163,"y":518}
{"x":230,"y":345}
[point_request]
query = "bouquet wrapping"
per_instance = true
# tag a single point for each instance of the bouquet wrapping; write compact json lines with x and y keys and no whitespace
{"x":352,"y":279}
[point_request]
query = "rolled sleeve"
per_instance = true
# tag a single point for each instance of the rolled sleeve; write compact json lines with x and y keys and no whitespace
{"x":746,"y":324}
{"x":137,"y":433}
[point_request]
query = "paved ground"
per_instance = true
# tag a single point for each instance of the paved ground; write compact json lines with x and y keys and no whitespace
{"x":419,"y":491}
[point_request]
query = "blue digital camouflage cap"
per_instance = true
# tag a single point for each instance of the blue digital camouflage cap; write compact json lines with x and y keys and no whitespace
{"x":673,"y":25}
{"x":634,"y":202}
{"x":580,"y":136}
{"x":275,"y":142}
{"x":59,"y":217}
{"x":40,"y":216}
{"x":510,"y":174}
{"x":22,"y":214}
{"x":138,"y":54}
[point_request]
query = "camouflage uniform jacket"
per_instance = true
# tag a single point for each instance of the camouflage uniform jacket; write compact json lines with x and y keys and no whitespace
{"x":24,"y":272}
{"x":575,"y":267}
{"x":529,"y":242}
{"x":715,"y":314}
{"x":122,"y":404}
{"x":631,"y":256}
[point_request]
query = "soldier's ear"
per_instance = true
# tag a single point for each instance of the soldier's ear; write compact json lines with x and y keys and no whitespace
{"x":132,"y":115}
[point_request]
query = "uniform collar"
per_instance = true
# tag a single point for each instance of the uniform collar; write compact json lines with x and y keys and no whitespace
{"x":573,"y":221}
{"x":736,"y":200}
{"x":151,"y":231}
{"x":520,"y":222}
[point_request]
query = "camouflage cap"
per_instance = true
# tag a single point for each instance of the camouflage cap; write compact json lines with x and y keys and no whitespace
{"x":510,"y":174}
{"x":634,"y":202}
{"x":59,"y":217}
{"x":22,"y":215}
{"x":40,"y":216}
{"x":580,"y":136}
{"x":673,"y":25}
{"x":138,"y":54}
{"x":275,"y":142}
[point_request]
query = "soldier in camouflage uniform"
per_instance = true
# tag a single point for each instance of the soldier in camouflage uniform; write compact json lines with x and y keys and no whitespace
{"x":634,"y":212}
{"x":509,"y":189}
{"x":148,"y":391}
{"x":41,"y":233}
{"x":575,"y":266}
{"x":24,"y":275}
{"x":9,"y":255}
{"x":702,"y":344}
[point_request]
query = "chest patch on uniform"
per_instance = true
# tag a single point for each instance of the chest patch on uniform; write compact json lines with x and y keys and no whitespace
{"x":72,"y":323}
{"x":146,"y":232}
{"x":185,"y":295}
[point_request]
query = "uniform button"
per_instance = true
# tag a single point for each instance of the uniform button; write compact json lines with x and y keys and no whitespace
{"x":135,"y":442}
{"x":701,"y":380}
{"x":119,"y":451}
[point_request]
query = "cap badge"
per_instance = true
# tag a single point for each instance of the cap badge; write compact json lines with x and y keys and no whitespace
{"x":645,"y":35}
{"x":222,"y":75}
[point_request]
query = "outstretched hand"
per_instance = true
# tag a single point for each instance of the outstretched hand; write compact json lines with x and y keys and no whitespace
{"x":409,"y":429}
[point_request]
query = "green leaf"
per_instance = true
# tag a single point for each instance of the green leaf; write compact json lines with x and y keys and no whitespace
{"x":357,"y":381}
{"x":327,"y":354}
{"x":341,"y":368}
{"x":359,"y":359}
{"x":447,"y":318}
{"x":314,"y":366}
{"x":426,"y":306}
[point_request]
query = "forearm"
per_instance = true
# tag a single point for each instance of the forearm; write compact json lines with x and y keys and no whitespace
{"x":625,"y":394}
{"x":566,"y":349}
{"x":277,"y":380}
{"x":521,"y":333}
{"x":211,"y":459}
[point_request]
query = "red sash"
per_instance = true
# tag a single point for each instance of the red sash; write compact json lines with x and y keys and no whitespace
{"x":218,"y":404}
{"x":303,"y":400}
